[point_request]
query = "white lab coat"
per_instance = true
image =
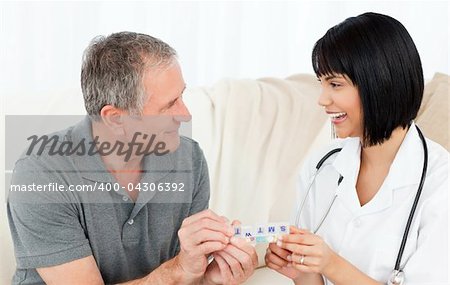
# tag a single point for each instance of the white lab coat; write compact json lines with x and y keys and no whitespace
{"x":369,"y":237}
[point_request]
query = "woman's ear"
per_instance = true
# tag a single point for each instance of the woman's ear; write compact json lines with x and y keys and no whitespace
{"x":113,"y":117}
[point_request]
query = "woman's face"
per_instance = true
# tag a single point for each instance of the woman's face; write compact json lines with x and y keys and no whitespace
{"x":340,"y":99}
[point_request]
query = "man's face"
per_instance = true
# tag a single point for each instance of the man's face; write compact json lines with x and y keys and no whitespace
{"x":164,"y":109}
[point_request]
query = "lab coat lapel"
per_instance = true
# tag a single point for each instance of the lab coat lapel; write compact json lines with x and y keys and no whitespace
{"x":405,"y":170}
{"x":347,"y":164}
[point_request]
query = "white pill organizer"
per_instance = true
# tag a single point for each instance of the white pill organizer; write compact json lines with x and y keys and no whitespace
{"x":262,"y":233}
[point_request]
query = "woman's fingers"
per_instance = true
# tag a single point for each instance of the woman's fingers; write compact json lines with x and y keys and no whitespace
{"x":305,"y":239}
{"x":274,"y":259}
{"x":280,"y":252}
{"x":295,"y":230}
{"x":297,"y":248}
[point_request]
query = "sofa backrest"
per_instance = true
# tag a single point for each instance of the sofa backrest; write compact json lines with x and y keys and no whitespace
{"x":256,"y":133}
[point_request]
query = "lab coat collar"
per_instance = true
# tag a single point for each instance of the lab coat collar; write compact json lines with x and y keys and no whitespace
{"x":405,"y":170}
{"x":347,"y":164}
{"x":347,"y":161}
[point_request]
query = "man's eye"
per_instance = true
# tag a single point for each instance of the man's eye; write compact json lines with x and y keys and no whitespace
{"x":171,"y":104}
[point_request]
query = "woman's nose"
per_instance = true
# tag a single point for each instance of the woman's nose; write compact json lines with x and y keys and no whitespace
{"x":324,"y":98}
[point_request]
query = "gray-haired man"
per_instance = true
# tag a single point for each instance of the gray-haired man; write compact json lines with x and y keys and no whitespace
{"x":132,"y":86}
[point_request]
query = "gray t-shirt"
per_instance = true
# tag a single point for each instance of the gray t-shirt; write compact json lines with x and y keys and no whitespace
{"x":128,"y":240}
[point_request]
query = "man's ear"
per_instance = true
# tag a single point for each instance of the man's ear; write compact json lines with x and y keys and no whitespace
{"x":113,"y":119}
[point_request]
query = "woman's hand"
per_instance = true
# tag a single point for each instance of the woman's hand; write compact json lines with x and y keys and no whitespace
{"x":310,"y":254}
{"x":311,"y":257}
{"x":276,"y":259}
{"x":279,"y":259}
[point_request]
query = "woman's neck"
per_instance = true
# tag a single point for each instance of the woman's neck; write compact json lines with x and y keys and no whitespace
{"x":383,"y":155}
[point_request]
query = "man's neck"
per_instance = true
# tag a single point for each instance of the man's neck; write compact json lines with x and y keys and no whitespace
{"x":114,"y":162}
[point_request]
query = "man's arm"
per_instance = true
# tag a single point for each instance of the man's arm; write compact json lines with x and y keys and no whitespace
{"x":85,"y":271}
{"x":80,"y":271}
{"x":200,"y":235}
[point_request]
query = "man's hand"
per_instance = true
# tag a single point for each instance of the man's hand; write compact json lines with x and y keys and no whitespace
{"x":232,"y":265}
{"x":200,"y":235}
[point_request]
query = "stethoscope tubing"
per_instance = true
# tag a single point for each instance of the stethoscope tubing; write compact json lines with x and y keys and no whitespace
{"x":318,"y":167}
{"x":416,"y":200}
{"x":413,"y":208}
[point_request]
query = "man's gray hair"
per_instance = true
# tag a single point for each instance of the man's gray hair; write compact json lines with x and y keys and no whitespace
{"x":113,"y":68}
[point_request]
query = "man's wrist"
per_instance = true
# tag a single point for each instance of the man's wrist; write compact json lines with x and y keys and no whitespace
{"x":170,"y":273}
{"x":204,"y":281}
{"x":181,"y":276}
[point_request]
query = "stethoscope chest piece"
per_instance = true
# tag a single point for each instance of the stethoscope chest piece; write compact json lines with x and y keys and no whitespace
{"x":397,"y":277}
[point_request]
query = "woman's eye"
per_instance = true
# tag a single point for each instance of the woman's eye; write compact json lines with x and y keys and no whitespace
{"x":334,"y":85}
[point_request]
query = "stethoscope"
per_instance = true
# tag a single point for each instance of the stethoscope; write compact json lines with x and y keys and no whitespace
{"x":397,"y":276}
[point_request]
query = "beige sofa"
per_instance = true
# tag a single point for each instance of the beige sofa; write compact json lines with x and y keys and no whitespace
{"x":255,"y":135}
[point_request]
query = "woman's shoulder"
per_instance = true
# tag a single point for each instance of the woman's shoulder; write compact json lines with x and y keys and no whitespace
{"x":436,"y":182}
{"x":438,"y":158}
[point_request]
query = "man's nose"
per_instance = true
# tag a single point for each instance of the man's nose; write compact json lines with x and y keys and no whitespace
{"x":182,"y":113}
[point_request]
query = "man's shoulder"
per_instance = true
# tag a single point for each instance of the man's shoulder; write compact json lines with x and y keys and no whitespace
{"x":189,"y":155}
{"x":45,"y":149}
{"x":189,"y":146}
{"x":186,"y":141}
{"x":38,"y":167}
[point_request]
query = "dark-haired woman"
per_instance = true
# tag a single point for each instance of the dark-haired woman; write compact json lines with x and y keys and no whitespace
{"x":353,"y":210}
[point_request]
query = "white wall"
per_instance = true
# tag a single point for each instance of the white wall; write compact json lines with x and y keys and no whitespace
{"x":42,"y":42}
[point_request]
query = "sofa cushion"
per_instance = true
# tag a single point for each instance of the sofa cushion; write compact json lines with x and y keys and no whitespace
{"x":433,"y":115}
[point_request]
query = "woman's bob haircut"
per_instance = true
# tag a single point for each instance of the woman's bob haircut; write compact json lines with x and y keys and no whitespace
{"x":378,"y":55}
